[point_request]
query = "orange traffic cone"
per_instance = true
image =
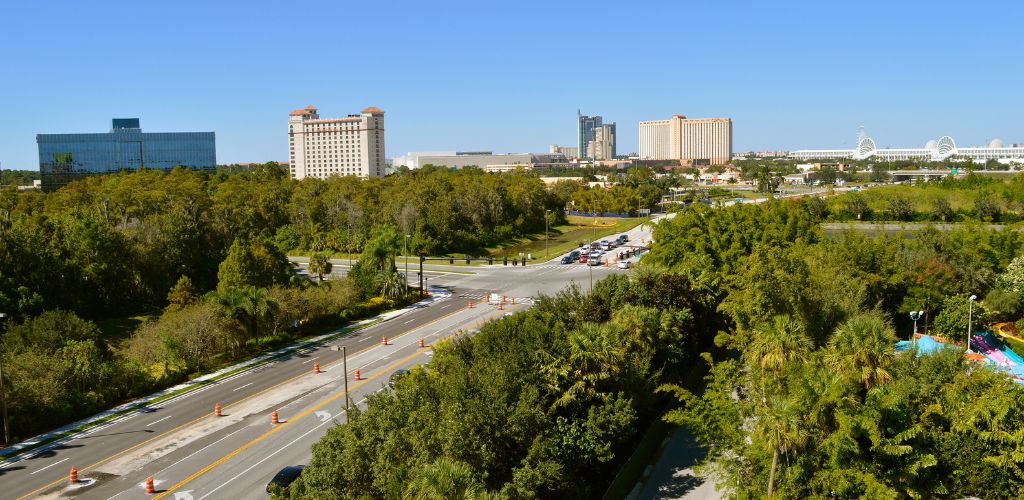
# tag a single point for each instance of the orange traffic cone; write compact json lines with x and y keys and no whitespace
{"x":149,"y":485}
{"x":503,"y":298}
{"x":500,"y":304}
{"x":356,"y":377}
{"x":469,"y":305}
{"x":273,"y":418}
{"x":316,"y":367}
{"x":422,"y":344}
{"x":216,"y":410}
{"x":73,"y":476}
{"x":384,"y":340}
{"x":513,"y":301}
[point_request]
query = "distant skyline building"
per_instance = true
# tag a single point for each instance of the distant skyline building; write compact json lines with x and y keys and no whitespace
{"x":64,"y":158}
{"x":320,"y":148}
{"x":691,"y":141}
{"x":943,"y":149}
{"x":485,"y":160}
{"x":603,"y":145}
{"x":567,"y":151}
{"x":595,"y":139}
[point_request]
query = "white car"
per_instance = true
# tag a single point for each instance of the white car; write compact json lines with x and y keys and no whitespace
{"x":623,"y":264}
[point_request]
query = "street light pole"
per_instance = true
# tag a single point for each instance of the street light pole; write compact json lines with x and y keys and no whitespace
{"x":970,"y":318}
{"x":914,"y":315}
{"x":405,"y":256}
{"x":344,"y":367}
{"x":546,"y":212}
{"x":3,"y":394}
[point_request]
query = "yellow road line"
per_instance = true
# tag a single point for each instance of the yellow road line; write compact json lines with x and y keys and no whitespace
{"x":305,"y":413}
{"x":186,"y":424}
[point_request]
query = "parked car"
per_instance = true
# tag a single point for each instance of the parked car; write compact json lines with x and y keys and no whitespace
{"x":623,"y":264}
{"x":583,"y":259}
{"x":567,"y":260}
{"x":284,"y":478}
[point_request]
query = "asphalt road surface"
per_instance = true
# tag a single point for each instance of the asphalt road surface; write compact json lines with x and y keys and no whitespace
{"x":193,"y":454}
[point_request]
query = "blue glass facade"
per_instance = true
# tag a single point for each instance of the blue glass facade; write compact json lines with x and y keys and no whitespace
{"x":67,"y":157}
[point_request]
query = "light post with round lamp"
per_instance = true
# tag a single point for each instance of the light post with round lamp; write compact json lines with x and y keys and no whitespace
{"x":914,"y":315}
{"x":970,"y":318}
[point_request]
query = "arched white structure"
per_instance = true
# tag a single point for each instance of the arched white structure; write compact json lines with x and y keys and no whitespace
{"x":865,"y":148}
{"x":944,"y":148}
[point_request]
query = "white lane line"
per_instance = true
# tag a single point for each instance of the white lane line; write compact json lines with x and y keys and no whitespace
{"x":410,"y":321}
{"x":242,"y":387}
{"x":199,"y":450}
{"x":158,"y":421}
{"x":51,"y":465}
{"x":268,"y":457}
{"x":310,"y":360}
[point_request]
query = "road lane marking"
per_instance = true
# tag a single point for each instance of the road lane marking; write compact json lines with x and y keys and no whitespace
{"x":280,"y":426}
{"x":310,"y":360}
{"x":158,"y":421}
{"x":268,"y":457}
{"x":242,"y":387}
{"x":296,"y":418}
{"x":247,"y":398}
{"x":51,"y":465}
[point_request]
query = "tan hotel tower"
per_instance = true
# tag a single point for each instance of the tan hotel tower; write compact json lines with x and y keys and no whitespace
{"x":320,"y":148}
{"x":693,"y":141}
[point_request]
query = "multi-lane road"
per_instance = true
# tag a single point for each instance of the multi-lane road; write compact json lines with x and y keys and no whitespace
{"x":192,"y":453}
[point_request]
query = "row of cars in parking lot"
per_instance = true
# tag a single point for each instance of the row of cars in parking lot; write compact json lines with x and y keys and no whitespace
{"x":592,"y":253}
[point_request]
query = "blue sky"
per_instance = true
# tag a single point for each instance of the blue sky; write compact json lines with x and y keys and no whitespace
{"x":509,"y":76}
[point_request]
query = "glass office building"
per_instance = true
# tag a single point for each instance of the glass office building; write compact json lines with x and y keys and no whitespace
{"x":67,"y":157}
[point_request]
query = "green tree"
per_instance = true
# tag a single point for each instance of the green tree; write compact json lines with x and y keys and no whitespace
{"x":182,"y":294}
{"x":253,"y":263}
{"x":942,"y":211}
{"x":863,"y":348}
{"x":900,"y":209}
{"x":444,"y":479}
{"x":320,"y":264}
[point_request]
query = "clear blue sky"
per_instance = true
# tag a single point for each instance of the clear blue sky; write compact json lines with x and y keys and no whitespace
{"x":509,"y":76}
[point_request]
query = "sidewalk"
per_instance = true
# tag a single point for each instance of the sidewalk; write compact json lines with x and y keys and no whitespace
{"x":672,"y":477}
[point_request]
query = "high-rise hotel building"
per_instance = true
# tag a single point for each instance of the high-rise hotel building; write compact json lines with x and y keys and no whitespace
{"x":692,"y":141}
{"x":320,"y":148}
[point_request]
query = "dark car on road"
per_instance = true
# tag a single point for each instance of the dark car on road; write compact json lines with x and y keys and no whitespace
{"x":397,"y":376}
{"x":285,"y":478}
{"x":574,"y":255}
{"x":567,"y":260}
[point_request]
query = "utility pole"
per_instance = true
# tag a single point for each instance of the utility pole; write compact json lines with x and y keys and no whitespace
{"x":546,"y":212}
{"x":405,"y":256}
{"x":344,"y":366}
{"x":3,"y":394}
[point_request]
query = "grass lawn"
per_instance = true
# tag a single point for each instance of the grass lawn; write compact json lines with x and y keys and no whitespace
{"x":567,"y":237}
{"x":122,"y":328}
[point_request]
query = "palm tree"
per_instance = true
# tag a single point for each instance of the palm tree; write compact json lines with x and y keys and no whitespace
{"x":778,"y":344}
{"x":593,"y":359}
{"x":444,"y":479}
{"x":781,"y":426}
{"x":863,"y":347}
{"x":320,"y":264}
{"x":248,"y":308}
{"x":389,"y":283}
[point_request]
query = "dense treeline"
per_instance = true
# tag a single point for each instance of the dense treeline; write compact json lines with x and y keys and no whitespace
{"x":972,"y":198}
{"x":809,"y":397}
{"x":116,"y":244}
{"x":543,"y":404}
{"x":806,"y":394}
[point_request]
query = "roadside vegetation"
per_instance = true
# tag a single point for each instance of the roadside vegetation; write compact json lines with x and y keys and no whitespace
{"x":186,"y":271}
{"x":805,"y":395}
